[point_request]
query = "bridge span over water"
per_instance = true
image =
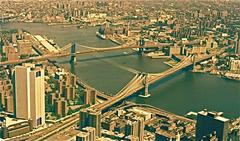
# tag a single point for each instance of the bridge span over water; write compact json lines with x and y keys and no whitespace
{"x":92,"y":116}
{"x":143,"y":80}
{"x":131,"y":44}
{"x":64,"y":53}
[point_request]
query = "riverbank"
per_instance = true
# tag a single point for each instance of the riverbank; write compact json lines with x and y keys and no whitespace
{"x":185,"y":92}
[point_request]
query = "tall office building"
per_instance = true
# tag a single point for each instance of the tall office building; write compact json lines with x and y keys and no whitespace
{"x":92,"y":133}
{"x":237,"y":43}
{"x":211,"y":123}
{"x":9,"y":104}
{"x":135,"y":128}
{"x":131,"y":128}
{"x":83,"y":136}
{"x":131,"y":138}
{"x":87,"y":134}
{"x":238,"y":47}
{"x":29,"y":93}
{"x":162,"y":135}
{"x":238,"y":50}
{"x":90,"y":118}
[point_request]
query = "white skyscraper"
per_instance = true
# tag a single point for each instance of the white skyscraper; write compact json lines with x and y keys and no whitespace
{"x":29,"y":95}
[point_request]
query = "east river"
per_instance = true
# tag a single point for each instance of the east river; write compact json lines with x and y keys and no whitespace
{"x":110,"y":71}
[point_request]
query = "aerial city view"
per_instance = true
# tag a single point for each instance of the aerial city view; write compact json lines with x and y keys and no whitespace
{"x":119,"y":70}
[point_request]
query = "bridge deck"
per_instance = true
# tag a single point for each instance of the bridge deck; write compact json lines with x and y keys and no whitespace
{"x":66,"y":54}
{"x":137,"y":84}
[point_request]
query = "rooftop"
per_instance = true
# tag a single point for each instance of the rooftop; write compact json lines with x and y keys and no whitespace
{"x":215,"y":115}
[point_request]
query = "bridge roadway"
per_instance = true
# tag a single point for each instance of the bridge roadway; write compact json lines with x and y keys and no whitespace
{"x":128,"y":45}
{"x":49,"y":131}
{"x":129,"y":88}
{"x":137,"y":83}
{"x":149,"y":44}
{"x":133,"y":86}
{"x":65,"y":54}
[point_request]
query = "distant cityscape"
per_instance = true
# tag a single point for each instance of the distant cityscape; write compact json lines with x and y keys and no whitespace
{"x":43,"y":95}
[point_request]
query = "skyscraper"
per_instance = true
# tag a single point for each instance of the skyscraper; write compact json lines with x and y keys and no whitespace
{"x":131,"y":128}
{"x":83,"y":136}
{"x":91,"y":131}
{"x":9,"y":103}
{"x":135,"y":128}
{"x":238,"y":50}
{"x":29,"y":94}
{"x":209,"y":123}
{"x":90,"y":118}
{"x":237,"y":43}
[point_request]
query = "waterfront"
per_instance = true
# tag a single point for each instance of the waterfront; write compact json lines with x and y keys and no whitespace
{"x":183,"y":93}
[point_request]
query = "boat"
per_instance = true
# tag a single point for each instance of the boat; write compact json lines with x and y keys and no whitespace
{"x":80,"y":27}
{"x":101,"y":36}
{"x":135,"y":49}
{"x":156,"y":55}
{"x":101,"y":33}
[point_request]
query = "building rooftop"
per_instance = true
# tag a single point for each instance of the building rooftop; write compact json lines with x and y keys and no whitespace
{"x":10,"y":121}
{"x":215,"y":115}
{"x":83,"y":134}
{"x":166,"y":134}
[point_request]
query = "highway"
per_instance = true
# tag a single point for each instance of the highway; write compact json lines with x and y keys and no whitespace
{"x":46,"y":132}
{"x":136,"y":84}
{"x":53,"y":129}
{"x":131,"y":86}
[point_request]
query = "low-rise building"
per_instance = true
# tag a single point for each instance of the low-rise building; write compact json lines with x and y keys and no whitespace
{"x":11,"y":127}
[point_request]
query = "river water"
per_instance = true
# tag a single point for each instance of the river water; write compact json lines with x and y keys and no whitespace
{"x":110,"y":71}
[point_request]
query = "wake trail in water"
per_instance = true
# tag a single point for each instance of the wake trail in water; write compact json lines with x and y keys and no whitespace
{"x":120,"y":66}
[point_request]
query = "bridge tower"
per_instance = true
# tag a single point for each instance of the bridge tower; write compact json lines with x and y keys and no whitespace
{"x":73,"y":58}
{"x":146,"y":89}
{"x":141,"y":43}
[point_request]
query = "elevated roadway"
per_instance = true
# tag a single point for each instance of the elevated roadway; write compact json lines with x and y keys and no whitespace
{"x":138,"y":82}
{"x":66,"y":54}
{"x":131,"y":87}
{"x":46,"y":132}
